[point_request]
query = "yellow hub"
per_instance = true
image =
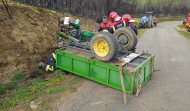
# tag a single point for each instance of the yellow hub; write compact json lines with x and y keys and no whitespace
{"x":101,"y":47}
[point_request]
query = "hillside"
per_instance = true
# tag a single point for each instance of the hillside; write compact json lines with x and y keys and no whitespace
{"x":27,"y":39}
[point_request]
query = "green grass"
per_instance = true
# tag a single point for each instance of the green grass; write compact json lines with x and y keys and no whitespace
{"x":55,"y":89}
{"x":17,"y":76}
{"x":38,"y":87}
{"x":181,"y":26}
{"x":183,"y":31}
{"x":186,"y":34}
{"x":2,"y":90}
{"x":166,"y":19}
{"x":140,"y":32}
{"x":10,"y":85}
{"x":21,"y":86}
{"x":59,"y":74}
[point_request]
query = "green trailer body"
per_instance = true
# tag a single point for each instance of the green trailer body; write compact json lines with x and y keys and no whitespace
{"x":82,"y":63}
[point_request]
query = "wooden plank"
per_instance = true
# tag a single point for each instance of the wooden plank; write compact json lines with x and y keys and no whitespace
{"x":123,"y":86}
{"x":152,"y":69}
{"x":129,"y":58}
{"x":139,"y":83}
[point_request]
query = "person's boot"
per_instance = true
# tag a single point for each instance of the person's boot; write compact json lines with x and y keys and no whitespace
{"x":58,"y":44}
{"x":41,"y":65}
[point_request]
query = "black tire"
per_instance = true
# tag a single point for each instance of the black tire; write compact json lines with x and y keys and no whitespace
{"x":149,"y":24}
{"x":155,"y":24}
{"x":136,"y":39}
{"x":188,"y":29}
{"x":113,"y":46}
{"x":129,"y":33}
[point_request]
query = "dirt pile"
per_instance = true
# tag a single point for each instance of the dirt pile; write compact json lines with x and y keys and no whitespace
{"x":27,"y":39}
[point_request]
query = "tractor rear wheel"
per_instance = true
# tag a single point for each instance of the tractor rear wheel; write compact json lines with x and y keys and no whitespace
{"x":126,"y":38}
{"x":104,"y":46}
{"x":135,"y":39}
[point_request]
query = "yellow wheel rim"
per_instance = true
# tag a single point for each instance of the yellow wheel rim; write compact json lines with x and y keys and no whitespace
{"x":101,"y":47}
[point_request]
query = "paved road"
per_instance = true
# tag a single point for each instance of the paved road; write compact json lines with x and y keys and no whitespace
{"x":168,"y":91}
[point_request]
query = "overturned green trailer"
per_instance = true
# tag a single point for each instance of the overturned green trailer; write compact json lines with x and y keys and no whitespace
{"x":81,"y":62}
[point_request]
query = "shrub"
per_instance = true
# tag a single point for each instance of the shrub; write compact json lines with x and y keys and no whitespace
{"x":19,"y":76}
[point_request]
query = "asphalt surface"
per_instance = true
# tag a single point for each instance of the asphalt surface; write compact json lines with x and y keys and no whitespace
{"x":168,"y":91}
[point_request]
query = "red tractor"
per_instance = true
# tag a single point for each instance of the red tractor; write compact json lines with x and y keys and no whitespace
{"x":188,"y":23}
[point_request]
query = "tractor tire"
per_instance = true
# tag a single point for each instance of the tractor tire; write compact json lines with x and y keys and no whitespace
{"x":149,"y":24}
{"x":130,"y":37}
{"x":136,"y":39}
{"x":104,"y":46}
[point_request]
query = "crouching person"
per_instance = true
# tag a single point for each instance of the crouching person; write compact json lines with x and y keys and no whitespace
{"x":130,"y":22}
{"x":50,"y":66}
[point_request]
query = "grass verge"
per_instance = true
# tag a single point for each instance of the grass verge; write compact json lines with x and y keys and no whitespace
{"x":22,"y":90}
{"x":167,"y":19}
{"x":182,"y":30}
{"x":141,"y":30}
{"x":186,"y":34}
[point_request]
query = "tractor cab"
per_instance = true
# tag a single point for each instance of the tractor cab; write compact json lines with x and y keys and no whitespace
{"x":148,"y":20}
{"x":150,"y":13}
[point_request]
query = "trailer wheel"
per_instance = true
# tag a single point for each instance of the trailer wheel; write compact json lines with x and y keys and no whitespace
{"x":126,"y":37}
{"x":104,"y":46}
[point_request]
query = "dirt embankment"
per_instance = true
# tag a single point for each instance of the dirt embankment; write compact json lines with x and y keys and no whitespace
{"x":27,"y":39}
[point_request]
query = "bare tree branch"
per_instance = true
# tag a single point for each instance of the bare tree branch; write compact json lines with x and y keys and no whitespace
{"x":7,"y":8}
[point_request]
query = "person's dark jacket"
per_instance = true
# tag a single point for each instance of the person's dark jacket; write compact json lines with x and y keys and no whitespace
{"x":117,"y":24}
{"x":133,"y":27}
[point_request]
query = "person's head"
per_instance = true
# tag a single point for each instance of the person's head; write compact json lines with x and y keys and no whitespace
{"x":113,"y":16}
{"x":105,"y":19}
{"x":127,"y":17}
